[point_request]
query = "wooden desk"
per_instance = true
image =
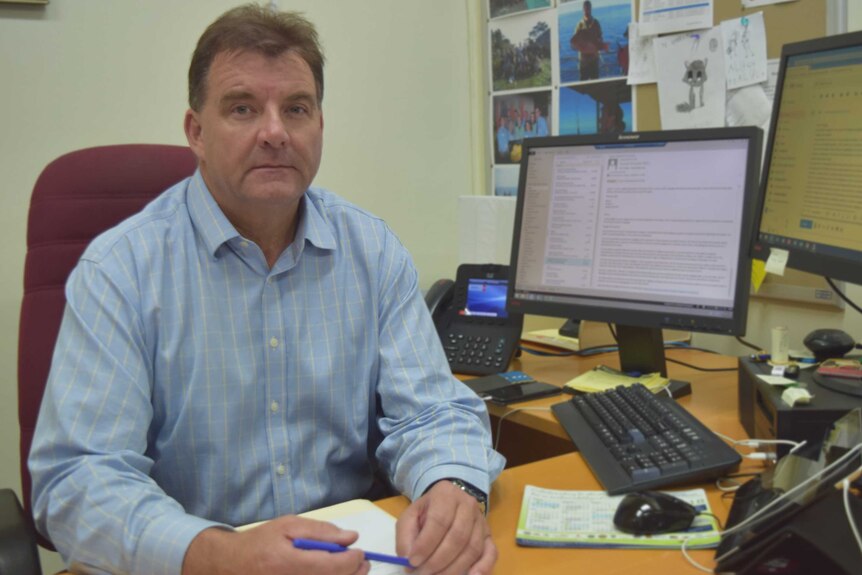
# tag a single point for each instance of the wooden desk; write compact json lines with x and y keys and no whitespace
{"x":713,"y":401}
{"x":570,"y":472}
{"x":532,"y":435}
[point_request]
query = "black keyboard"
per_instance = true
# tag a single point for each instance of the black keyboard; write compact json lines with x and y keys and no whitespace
{"x":634,"y":440}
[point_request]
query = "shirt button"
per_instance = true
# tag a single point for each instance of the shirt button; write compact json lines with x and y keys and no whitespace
{"x":243,"y":244}
{"x":273,"y":407}
{"x":273,"y":342}
{"x":280,"y":470}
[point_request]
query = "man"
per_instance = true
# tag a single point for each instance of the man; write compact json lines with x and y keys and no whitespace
{"x":588,"y":42}
{"x":540,"y":124}
{"x":249,"y":347}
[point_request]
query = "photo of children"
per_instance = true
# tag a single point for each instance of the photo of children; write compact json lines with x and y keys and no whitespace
{"x":596,"y":108}
{"x":518,"y":116}
{"x":593,"y":39}
{"x":521,"y":51}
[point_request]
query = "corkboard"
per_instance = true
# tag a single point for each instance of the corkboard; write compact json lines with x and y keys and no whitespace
{"x":787,"y":22}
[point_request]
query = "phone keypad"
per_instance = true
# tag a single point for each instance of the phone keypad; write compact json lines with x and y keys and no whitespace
{"x":476,"y":353}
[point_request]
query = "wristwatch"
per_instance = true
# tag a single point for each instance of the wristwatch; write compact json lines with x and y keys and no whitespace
{"x":473,"y":492}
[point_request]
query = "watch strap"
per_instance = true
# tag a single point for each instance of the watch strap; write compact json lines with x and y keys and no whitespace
{"x":480,"y":496}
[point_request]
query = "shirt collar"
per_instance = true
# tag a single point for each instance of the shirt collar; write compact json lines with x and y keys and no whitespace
{"x":215,"y":229}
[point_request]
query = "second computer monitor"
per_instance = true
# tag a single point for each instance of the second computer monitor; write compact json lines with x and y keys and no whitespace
{"x":646,"y":230}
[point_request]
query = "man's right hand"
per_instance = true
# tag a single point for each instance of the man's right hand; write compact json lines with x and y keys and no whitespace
{"x":268,"y":549}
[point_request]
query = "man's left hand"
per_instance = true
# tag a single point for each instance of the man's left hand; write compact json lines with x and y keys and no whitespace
{"x":444,"y":532}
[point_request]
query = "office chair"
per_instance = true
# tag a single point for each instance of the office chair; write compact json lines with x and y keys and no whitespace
{"x":76,"y":197}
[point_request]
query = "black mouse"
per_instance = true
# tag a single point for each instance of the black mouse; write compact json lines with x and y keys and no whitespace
{"x":791,"y":371}
{"x":652,"y":512}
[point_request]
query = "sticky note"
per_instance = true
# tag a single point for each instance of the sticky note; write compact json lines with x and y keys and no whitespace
{"x":758,"y":273}
{"x":777,"y":261}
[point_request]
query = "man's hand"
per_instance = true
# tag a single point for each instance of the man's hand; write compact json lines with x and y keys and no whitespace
{"x":444,"y":532}
{"x":269,"y":549}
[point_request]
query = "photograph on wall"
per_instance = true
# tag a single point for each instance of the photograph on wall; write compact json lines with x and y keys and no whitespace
{"x":593,"y":39}
{"x":515,"y":117}
{"x":506,"y":180}
{"x":596,"y":108}
{"x":521,"y":51}
{"x":497,"y":8}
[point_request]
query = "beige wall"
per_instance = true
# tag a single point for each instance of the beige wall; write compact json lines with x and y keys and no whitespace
{"x":404,"y":115}
{"x":398,"y":119}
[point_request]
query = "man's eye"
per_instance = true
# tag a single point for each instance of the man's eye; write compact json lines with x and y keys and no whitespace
{"x":241,"y":110}
{"x":297,"y":110}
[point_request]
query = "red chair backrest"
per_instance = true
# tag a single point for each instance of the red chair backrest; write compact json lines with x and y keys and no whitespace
{"x":77,"y":196}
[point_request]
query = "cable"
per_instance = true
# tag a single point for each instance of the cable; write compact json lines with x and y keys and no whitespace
{"x":510,"y":412}
{"x":757,"y":443}
{"x":682,"y":363}
{"x":845,"y":487}
{"x":748,"y":344}
{"x":691,"y":560}
{"x":841,"y":295}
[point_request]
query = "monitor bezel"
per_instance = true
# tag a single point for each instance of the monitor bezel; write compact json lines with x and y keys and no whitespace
{"x":734,"y":325}
{"x":827,"y":265}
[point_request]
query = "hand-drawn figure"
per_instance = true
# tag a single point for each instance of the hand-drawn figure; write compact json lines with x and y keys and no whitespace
{"x":695,"y":77}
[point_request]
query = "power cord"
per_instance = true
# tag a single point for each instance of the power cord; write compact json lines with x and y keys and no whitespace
{"x":510,"y":412}
{"x":847,"y":300}
{"x":845,"y":487}
{"x":758,"y":443}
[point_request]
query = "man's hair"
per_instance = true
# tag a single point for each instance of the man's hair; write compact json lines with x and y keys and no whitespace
{"x":256,"y":29}
{"x":588,"y":3}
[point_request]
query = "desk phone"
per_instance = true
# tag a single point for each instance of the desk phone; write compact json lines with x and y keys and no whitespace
{"x":478,"y":334}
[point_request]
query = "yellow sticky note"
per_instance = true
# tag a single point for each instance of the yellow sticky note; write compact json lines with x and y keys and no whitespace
{"x":758,"y":273}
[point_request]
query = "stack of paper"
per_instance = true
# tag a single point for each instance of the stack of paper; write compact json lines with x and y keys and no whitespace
{"x":602,"y":378}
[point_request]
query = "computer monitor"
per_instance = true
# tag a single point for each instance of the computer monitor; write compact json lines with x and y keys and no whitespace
{"x":645,"y":230}
{"x":813,"y":166}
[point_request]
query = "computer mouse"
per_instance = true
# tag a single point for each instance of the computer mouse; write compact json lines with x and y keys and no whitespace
{"x":791,"y":371}
{"x":652,"y":512}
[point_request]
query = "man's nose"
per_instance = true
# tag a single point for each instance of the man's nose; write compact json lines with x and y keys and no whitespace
{"x":273,"y":130}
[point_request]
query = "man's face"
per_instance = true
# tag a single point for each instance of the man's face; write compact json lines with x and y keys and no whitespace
{"x":259,"y":133}
{"x":588,"y":10}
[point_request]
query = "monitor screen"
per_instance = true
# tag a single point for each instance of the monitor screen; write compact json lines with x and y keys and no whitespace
{"x":648,"y":230}
{"x":813,"y":167}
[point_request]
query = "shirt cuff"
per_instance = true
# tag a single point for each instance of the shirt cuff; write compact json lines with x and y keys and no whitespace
{"x":164,"y":542}
{"x":471,"y":475}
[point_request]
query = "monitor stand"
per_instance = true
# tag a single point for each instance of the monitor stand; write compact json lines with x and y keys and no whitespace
{"x":641,"y":350}
{"x":571,"y":328}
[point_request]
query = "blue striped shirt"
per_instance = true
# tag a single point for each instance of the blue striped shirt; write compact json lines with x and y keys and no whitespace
{"x":192,"y":385}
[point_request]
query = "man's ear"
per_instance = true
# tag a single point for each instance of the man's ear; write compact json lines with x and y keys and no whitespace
{"x":193,"y":129}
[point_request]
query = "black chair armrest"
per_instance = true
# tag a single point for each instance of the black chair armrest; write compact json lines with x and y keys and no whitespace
{"x":18,"y":553}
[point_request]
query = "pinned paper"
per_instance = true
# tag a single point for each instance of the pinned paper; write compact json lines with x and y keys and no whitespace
{"x":777,"y":261}
{"x":755,"y":3}
{"x":656,"y":17}
{"x":641,"y":57}
{"x":485,"y":229}
{"x":744,"y":50}
{"x":691,"y":80}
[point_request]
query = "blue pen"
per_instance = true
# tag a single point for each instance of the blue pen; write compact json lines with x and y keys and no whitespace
{"x":314,"y":545}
